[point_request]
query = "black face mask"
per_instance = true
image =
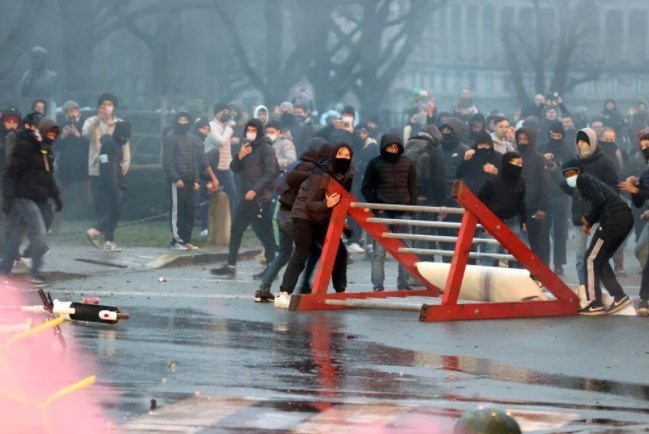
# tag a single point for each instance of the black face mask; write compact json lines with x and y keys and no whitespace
{"x":608,"y":146}
{"x":511,"y":172}
{"x":447,"y":137}
{"x":341,"y":165}
{"x":390,"y":157}
{"x":523,"y":148}
{"x":223,"y":118}
{"x":182,"y":128}
{"x":645,"y":154}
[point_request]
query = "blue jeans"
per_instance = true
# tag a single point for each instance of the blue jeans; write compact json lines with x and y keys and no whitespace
{"x":285,"y":224}
{"x":226,"y":180}
{"x":25,"y":217}
{"x":581,"y":244}
{"x":642,"y":246}
{"x":378,"y":256}
{"x":514,"y":225}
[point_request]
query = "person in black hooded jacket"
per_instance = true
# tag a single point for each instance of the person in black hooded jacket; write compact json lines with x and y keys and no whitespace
{"x":390,"y":178}
{"x":536,"y":192}
{"x":311,"y":213}
{"x":258,"y":167}
{"x":557,"y":152}
{"x":181,"y":165}
{"x":288,"y":188}
{"x":477,"y":124}
{"x":27,"y":185}
{"x":480,"y":163}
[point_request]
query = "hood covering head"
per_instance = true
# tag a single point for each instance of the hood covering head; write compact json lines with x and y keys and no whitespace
{"x":337,"y":165}
{"x":432,"y":131}
{"x":182,"y":128}
{"x":387,"y":140}
{"x":572,"y":164}
{"x":261,"y":132}
{"x":459,"y":129}
{"x":46,"y":126}
{"x":259,"y":108}
{"x":531,"y":138}
{"x":589,"y":136}
{"x":483,"y":138}
{"x":122,"y":132}
{"x":317,"y":150}
{"x":478,"y":117}
{"x":510,"y":172}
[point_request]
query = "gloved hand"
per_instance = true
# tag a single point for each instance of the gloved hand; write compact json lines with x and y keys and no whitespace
{"x":6,"y":205}
{"x":58,"y":203}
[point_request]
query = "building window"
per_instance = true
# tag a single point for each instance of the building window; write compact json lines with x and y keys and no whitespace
{"x":613,"y":24}
{"x":637,"y":36}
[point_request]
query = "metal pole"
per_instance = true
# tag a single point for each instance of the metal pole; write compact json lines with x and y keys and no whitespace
{"x":423,"y":223}
{"x":436,"y":238}
{"x":451,"y":253}
{"x":408,"y":208}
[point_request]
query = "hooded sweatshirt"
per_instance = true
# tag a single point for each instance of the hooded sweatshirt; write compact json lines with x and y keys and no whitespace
{"x":476,"y":118}
{"x":425,"y":152}
{"x":453,"y":151}
{"x":259,"y":108}
{"x":311,"y":203}
{"x":472,"y":171}
{"x":505,"y":194}
{"x":534,"y":173}
{"x":561,"y":152}
{"x":30,"y":171}
{"x":179,"y":153}
{"x":390,"y":178}
{"x":259,"y":168}
{"x":596,"y":164}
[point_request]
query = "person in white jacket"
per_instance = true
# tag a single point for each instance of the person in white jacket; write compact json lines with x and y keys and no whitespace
{"x":284,"y":147}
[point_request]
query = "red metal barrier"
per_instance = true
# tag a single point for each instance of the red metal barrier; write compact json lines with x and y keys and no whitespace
{"x":567,"y":302}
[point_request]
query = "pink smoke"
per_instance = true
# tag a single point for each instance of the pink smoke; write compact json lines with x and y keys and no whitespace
{"x":35,"y":369}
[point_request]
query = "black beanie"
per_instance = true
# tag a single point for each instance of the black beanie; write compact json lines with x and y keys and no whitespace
{"x":33,"y":118}
{"x":219,"y":106}
{"x":201,"y":122}
{"x":571,"y":165}
{"x":349,"y":110}
{"x":107,"y":96}
{"x":557,"y":127}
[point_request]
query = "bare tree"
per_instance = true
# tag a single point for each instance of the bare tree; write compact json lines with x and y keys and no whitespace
{"x":543,"y":49}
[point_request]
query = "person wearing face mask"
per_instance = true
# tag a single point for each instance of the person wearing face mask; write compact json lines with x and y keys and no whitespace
{"x":311,"y":213}
{"x":27,"y":186}
{"x":208,"y":156}
{"x":181,"y":165}
{"x":556,"y":152}
{"x":390,"y":178}
{"x":504,"y":195}
{"x":536,"y":192}
{"x":257,"y":165}
{"x":342,"y":130}
{"x":10,"y":123}
{"x":221,"y":133}
{"x":111,"y":186}
{"x":638,"y":187}
{"x":615,"y":223}
{"x":284,"y":148}
{"x":480,"y":163}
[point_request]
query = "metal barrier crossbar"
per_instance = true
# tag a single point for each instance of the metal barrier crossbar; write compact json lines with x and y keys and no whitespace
{"x":407,"y":208}
{"x":422,"y":223}
{"x":450,"y":253}
{"x":436,"y":238}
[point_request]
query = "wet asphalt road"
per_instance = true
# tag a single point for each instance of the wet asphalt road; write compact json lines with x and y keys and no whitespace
{"x":195,"y":337}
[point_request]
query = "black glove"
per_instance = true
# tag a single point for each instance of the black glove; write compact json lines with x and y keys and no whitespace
{"x":6,"y":206}
{"x":58,"y":203}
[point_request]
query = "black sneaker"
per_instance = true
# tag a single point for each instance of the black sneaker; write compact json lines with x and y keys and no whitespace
{"x":618,"y":305}
{"x":643,"y":308}
{"x":594,"y":308}
{"x":264,"y":296}
{"x":404,"y":288}
{"x":229,"y":271}
{"x":379,"y":289}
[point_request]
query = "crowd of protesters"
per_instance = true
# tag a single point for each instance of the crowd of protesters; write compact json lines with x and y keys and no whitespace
{"x":544,"y":172}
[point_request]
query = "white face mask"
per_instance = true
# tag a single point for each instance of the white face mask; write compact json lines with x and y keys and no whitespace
{"x":572,"y":181}
{"x":348,"y":119}
{"x":251,"y":136}
{"x":272,"y":137}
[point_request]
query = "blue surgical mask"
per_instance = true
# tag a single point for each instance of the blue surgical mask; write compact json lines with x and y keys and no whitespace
{"x":572,"y":181}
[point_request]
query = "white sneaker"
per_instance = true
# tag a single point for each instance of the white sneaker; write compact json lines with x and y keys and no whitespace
{"x":204,"y":233}
{"x":178,"y":246}
{"x":93,"y":236}
{"x":355,"y":248}
{"x":282,"y":300}
{"x":110,"y":246}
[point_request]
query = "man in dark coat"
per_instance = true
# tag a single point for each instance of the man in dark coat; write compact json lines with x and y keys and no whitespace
{"x":480,"y":163}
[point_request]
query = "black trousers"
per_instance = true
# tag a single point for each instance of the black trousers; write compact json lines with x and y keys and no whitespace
{"x":112,"y":198}
{"x":305,"y":234}
{"x":538,"y":237}
{"x":608,"y":237}
{"x":455,"y":218}
{"x":182,"y":212}
{"x":260,"y":217}
{"x":556,"y":226}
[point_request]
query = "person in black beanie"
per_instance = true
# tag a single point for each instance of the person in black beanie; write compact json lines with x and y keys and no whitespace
{"x":505,"y":196}
{"x":557,"y":152}
{"x":480,"y":163}
{"x":615,"y":222}
{"x":536,"y":193}
{"x":111,"y":186}
{"x":390,"y":178}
